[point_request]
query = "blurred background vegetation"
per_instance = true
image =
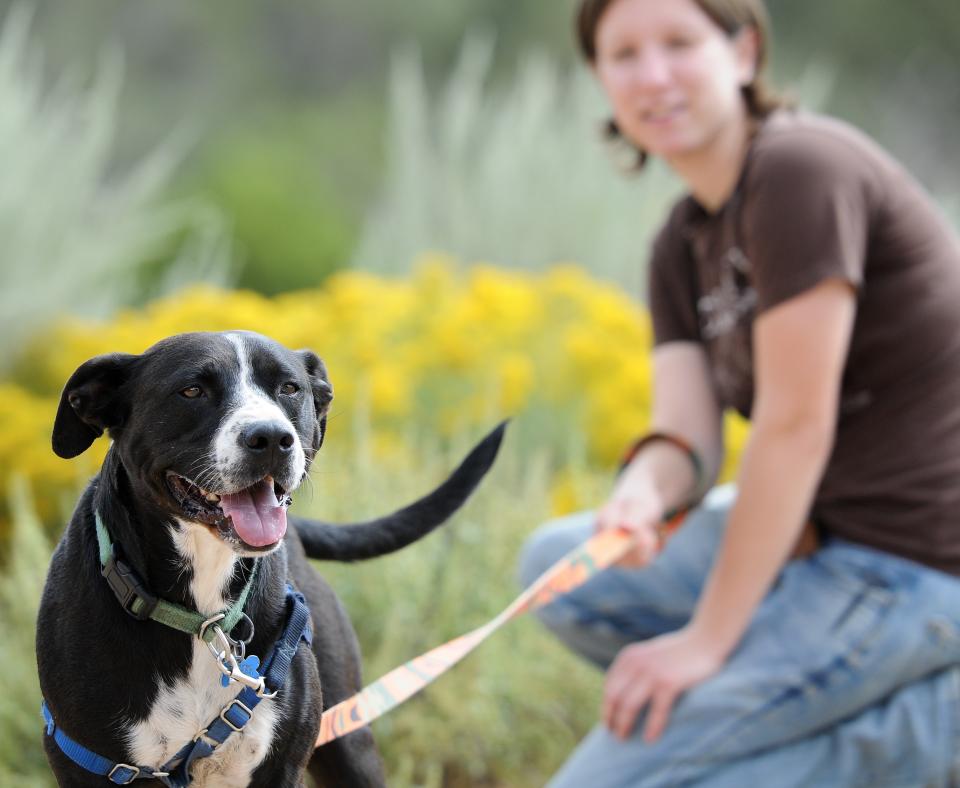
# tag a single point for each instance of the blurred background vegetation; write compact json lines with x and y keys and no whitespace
{"x":324,"y":151}
{"x":322,"y":129}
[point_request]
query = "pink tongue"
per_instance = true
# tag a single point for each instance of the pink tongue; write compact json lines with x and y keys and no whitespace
{"x":257,"y":517}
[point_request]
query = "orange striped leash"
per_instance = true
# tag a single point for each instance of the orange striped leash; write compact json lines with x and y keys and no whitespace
{"x":392,"y":689}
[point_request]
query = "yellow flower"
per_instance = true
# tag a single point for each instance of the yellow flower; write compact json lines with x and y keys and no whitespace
{"x":389,"y":390}
{"x":449,"y":349}
{"x":564,"y":496}
{"x":736,"y":431}
{"x":516,"y":381}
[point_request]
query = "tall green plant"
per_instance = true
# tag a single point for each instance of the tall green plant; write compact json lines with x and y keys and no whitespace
{"x":516,"y":175}
{"x":22,"y":761}
{"x":76,"y":233}
{"x":511,"y":712}
{"x":519,"y":174}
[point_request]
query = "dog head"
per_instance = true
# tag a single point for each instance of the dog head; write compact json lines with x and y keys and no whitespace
{"x":217,"y":429}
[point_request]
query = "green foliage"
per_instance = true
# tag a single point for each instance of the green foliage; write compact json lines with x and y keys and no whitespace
{"x":22,"y":762}
{"x":293,"y":187}
{"x":218,"y":62}
{"x":516,"y":174}
{"x":511,"y":711}
{"x":75,"y":232}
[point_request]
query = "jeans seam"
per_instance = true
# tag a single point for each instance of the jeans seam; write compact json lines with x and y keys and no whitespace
{"x":801,"y":686}
{"x":955,"y":720}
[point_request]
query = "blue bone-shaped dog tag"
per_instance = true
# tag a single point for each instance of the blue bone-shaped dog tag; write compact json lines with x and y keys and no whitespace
{"x":248,"y":667}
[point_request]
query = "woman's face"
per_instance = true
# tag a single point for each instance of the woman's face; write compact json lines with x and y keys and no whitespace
{"x":672,"y":75}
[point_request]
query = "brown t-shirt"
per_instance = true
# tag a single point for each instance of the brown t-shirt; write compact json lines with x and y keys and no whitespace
{"x":818,"y":200}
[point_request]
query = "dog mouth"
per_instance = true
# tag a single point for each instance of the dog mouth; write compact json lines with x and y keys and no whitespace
{"x":255,"y":515}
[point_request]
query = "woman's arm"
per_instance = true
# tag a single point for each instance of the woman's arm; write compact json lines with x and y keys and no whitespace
{"x":800,"y":348}
{"x":661,"y":477}
{"x":800,"y":351}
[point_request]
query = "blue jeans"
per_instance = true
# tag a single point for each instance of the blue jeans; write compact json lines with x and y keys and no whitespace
{"x":849,"y":674}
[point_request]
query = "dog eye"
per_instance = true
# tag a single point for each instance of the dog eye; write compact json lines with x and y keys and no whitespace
{"x":191,"y":392}
{"x":289,"y":388}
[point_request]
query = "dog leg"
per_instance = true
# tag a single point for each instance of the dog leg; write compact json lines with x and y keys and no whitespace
{"x":349,"y":762}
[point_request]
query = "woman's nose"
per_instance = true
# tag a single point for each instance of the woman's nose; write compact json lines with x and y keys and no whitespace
{"x":651,"y":69}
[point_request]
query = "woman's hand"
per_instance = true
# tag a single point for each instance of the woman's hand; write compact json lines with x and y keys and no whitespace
{"x":634,"y":506}
{"x":655,"y":673}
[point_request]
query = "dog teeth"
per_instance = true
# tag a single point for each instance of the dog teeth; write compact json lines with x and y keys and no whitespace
{"x":213,"y":497}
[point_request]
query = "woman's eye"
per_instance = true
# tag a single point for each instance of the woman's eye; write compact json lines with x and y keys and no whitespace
{"x":289,"y":388}
{"x":679,"y":42}
{"x":191,"y":392}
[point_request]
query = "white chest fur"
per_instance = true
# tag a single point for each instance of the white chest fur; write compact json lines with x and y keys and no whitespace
{"x":184,"y":708}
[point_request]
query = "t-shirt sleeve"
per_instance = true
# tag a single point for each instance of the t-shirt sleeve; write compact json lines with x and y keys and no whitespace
{"x":671,"y":288}
{"x":806,"y":219}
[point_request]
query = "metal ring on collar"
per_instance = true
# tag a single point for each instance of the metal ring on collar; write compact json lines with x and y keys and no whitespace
{"x":243,"y":618}
{"x":134,"y":773}
{"x":202,"y":632}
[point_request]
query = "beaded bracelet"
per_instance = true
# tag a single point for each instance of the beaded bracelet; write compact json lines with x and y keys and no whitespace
{"x":673,"y":517}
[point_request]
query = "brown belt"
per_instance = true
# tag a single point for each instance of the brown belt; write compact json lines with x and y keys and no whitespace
{"x":807,"y":543}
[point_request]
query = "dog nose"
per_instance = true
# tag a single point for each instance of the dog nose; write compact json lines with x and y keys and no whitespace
{"x":264,"y":437}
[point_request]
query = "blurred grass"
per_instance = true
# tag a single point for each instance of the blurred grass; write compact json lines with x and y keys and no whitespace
{"x":515,"y":173}
{"x":505,"y":716}
{"x":79,"y":234}
{"x":515,"y":170}
{"x":294,"y":187}
{"x":510,"y":712}
{"x":22,"y":761}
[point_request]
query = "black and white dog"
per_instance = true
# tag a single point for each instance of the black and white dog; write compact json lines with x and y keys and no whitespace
{"x":212,"y":433}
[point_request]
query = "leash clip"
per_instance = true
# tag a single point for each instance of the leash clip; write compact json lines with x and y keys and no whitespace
{"x":237,"y":645}
{"x":228,"y":665}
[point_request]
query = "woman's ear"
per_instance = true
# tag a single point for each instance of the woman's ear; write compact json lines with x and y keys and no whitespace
{"x":746,"y":44}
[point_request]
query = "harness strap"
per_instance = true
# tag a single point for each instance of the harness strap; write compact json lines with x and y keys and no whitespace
{"x":117,"y":773}
{"x":231,"y":719}
{"x":236,"y":714}
{"x":134,"y":597}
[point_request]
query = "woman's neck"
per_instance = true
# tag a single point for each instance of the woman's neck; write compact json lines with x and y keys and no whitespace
{"x":712,"y":172}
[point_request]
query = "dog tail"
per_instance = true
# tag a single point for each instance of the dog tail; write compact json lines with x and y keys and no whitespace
{"x":355,"y":542}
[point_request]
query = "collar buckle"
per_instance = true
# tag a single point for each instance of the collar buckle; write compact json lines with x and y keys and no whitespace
{"x":128,"y":588}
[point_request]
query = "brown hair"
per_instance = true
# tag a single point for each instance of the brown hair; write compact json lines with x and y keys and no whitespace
{"x":731,"y":16}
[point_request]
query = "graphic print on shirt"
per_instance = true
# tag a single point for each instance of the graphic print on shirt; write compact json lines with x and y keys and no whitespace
{"x":725,"y":312}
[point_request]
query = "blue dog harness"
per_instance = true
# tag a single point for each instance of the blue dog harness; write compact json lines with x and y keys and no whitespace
{"x":232,"y":718}
{"x":258,"y":682}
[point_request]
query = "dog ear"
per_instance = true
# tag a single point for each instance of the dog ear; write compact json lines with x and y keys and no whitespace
{"x":90,"y":403}
{"x":322,"y":391}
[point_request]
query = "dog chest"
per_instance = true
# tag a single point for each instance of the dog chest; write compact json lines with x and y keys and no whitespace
{"x":183,"y":709}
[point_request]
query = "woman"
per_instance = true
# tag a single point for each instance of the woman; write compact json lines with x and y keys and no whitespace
{"x":807,"y":281}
